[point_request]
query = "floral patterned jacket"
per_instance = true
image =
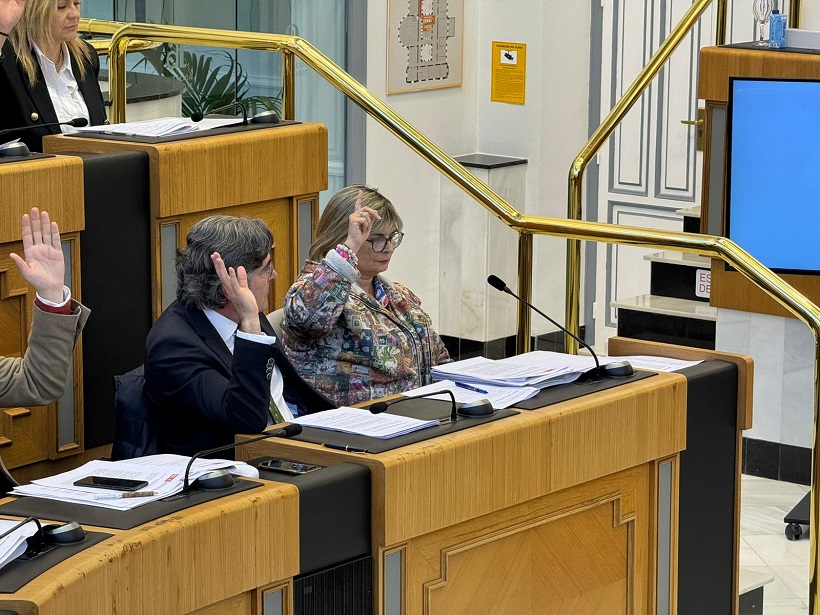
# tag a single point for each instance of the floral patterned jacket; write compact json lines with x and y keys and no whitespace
{"x":349,"y":347}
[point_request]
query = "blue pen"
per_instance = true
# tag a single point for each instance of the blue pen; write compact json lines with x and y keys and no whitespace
{"x":469,"y":388}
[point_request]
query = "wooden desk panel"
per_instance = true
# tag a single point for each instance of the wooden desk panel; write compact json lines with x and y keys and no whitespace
{"x":198,"y":175}
{"x":717,"y":64}
{"x":200,"y":560}
{"x":477,"y":471}
{"x":54,"y":184}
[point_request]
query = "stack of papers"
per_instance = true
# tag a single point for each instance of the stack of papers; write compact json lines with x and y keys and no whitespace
{"x":534,"y":369}
{"x":499,"y":396}
{"x":14,"y":545}
{"x":362,"y":423}
{"x":164,"y":474}
{"x":161,"y":127}
{"x":540,"y":369}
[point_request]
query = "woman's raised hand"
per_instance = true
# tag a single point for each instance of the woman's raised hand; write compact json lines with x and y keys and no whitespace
{"x":360,"y":223}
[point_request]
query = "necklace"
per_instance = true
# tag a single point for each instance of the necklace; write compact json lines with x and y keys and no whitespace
{"x":59,"y":61}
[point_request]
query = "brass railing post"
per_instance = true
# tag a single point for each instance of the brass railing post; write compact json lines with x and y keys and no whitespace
{"x":522,"y":338}
{"x":794,"y":14}
{"x":288,"y":86}
{"x":720,"y":28}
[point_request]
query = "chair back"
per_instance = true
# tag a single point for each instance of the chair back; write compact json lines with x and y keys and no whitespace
{"x":7,"y":482}
{"x":276,"y":319}
{"x":135,"y":434}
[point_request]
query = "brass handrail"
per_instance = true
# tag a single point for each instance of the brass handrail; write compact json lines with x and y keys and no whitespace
{"x":526,"y":226}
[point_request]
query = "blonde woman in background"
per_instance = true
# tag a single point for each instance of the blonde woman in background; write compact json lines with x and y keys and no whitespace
{"x":47,"y":73}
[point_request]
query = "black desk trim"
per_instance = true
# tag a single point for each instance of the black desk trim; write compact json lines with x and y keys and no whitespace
{"x":19,"y":572}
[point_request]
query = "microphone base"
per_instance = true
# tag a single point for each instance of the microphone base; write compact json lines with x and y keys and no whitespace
{"x":591,"y":376}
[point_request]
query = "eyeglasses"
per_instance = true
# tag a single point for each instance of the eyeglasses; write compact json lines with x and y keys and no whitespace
{"x":379,"y":243}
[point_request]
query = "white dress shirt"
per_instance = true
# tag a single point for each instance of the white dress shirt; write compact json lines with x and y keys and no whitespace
{"x":63,"y":89}
{"x":228,"y":331}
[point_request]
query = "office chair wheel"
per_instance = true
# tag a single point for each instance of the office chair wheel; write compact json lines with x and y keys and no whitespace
{"x":793,"y":531}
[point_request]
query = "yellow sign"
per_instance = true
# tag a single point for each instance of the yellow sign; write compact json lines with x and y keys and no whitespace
{"x":509,"y":79}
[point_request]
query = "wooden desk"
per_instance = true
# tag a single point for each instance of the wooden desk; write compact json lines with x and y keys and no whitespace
{"x":206,"y":560}
{"x":552,"y":510}
{"x":273,"y":173}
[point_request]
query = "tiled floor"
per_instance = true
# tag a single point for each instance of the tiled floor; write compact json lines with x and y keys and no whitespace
{"x":764,"y":546}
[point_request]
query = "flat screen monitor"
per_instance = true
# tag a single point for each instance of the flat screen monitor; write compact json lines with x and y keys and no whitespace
{"x":773,"y":191}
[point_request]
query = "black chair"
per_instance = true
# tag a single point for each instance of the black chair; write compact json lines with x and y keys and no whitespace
{"x":134,"y":430}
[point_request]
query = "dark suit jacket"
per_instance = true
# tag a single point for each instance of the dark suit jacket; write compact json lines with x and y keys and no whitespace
{"x":201,"y":395}
{"x":18,"y":102}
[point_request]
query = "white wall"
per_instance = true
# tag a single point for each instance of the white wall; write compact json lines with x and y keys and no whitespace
{"x":810,"y":15}
{"x":548,"y":130}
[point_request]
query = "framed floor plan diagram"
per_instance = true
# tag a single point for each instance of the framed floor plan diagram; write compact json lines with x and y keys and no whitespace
{"x":424,"y":44}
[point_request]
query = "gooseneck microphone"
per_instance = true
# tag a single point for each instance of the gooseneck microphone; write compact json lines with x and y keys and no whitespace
{"x":288,"y":431}
{"x":381,"y":406}
{"x":616,"y":369}
{"x":199,"y":115}
{"x":77,"y":122}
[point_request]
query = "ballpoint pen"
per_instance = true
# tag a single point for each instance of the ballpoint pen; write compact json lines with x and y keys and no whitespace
{"x":469,"y":388}
{"x":124,"y":494}
{"x":345,"y":447}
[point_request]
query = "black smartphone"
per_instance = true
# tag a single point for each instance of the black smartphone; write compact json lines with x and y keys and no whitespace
{"x":287,"y":466}
{"x":118,"y":484}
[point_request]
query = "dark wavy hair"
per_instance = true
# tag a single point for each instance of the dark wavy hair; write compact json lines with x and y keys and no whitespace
{"x":242,"y":242}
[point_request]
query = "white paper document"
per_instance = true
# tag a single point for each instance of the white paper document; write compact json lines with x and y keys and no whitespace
{"x":163,"y":473}
{"x":161,"y":127}
{"x":656,"y":364}
{"x":363,"y":423}
{"x":499,"y":397}
{"x":14,"y":545}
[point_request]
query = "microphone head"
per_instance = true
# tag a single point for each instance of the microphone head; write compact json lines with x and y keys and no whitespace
{"x":378,"y":407}
{"x":197,"y":116}
{"x":79,"y":122}
{"x":290,"y":430}
{"x":497,"y":283}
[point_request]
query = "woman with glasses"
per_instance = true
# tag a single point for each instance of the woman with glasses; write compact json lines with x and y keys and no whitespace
{"x":352,"y":333}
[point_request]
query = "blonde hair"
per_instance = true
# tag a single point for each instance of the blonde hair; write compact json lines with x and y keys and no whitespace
{"x":35,"y":27}
{"x":334,"y":221}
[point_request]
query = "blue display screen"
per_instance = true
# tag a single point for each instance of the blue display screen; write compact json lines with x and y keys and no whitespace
{"x":773,"y":204}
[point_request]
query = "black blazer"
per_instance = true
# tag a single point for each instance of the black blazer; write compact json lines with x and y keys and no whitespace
{"x":19,"y":104}
{"x":201,"y":395}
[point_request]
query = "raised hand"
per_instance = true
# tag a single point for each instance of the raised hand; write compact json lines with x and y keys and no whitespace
{"x":235,"y":288}
{"x":44,"y":266}
{"x":360,"y":223}
{"x":10,"y":13}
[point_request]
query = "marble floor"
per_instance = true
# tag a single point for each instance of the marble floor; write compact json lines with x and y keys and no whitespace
{"x":765,"y":548}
